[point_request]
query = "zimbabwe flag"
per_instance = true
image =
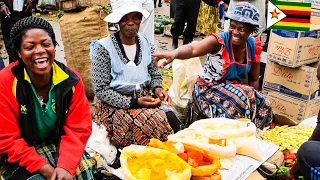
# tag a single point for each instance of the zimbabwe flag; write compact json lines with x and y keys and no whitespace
{"x":297,"y":16}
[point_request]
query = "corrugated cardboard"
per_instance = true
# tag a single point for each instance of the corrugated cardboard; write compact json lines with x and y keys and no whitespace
{"x":315,"y":16}
{"x":315,"y":26}
{"x":315,"y":11}
{"x":300,"y":83}
{"x":294,"y":48}
{"x":293,"y":109}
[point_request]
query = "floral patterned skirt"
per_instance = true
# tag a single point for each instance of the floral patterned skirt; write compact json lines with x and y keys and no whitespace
{"x":132,"y":126}
{"x":233,"y":101}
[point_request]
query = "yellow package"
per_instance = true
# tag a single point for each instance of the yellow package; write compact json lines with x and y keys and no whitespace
{"x":146,"y":163}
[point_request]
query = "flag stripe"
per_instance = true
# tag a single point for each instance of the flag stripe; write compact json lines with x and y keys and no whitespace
{"x":298,"y":17}
{"x":295,"y":8}
{"x":303,"y":25}
{"x":290,"y":28}
{"x":301,"y":4}
{"x":286,"y":19}
{"x":297,"y":13}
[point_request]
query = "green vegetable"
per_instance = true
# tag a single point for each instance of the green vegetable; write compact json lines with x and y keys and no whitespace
{"x":279,"y":172}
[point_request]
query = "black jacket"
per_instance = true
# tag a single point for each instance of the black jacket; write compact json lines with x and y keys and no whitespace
{"x":24,"y":97}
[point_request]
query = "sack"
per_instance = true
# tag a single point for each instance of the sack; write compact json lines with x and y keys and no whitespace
{"x":198,"y":160}
{"x":78,"y":29}
{"x":210,"y":2}
{"x":141,"y":162}
{"x":185,"y":74}
{"x":44,"y":3}
{"x":69,"y":5}
{"x":241,"y":133}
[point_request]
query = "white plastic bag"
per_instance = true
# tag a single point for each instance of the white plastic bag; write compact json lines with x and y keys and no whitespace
{"x":43,"y":3}
{"x":185,"y":74}
{"x":99,"y":144}
{"x":241,"y":133}
{"x":195,"y":138}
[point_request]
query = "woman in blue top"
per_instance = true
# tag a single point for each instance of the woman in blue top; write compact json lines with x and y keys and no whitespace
{"x":228,"y":87}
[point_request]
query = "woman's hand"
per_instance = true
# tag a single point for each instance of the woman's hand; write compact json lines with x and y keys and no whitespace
{"x":46,"y":171}
{"x":148,"y":102}
{"x":169,"y":56}
{"x":29,"y":5}
{"x":163,"y":95}
{"x":61,"y":174}
{"x":4,"y":10}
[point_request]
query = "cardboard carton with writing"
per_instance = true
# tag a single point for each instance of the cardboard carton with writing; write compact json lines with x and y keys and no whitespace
{"x":294,"y":48}
{"x":293,"y":109}
{"x":300,"y":83}
{"x":315,"y":26}
{"x":315,"y":11}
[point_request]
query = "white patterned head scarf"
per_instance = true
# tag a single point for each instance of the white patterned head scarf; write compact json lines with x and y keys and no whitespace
{"x":246,"y":13}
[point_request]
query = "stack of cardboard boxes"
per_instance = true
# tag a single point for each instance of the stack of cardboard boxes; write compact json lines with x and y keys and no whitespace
{"x":290,"y":80}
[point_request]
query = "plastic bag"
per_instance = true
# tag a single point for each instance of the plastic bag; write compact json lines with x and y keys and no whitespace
{"x":242,"y":133}
{"x":185,"y":74}
{"x":144,"y":163}
{"x":43,"y":3}
{"x":202,"y":162}
{"x":196,"y":138}
{"x":99,"y":144}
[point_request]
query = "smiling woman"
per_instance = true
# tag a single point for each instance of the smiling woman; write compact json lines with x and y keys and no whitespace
{"x":228,"y":87}
{"x":45,"y":115}
{"x":129,"y":100}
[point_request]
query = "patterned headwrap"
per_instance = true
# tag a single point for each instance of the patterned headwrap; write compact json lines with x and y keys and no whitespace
{"x":20,"y":27}
{"x":246,"y":13}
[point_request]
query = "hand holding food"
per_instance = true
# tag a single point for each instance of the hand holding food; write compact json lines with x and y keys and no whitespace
{"x":163,"y":95}
{"x":147,"y":102}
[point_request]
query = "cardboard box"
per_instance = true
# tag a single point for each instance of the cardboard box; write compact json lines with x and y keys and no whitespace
{"x":315,"y":26}
{"x":300,"y":83}
{"x":293,"y":109}
{"x":294,"y":48}
{"x":315,"y":11}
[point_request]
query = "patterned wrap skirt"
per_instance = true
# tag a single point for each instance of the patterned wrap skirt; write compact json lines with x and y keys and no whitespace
{"x":85,"y":170}
{"x":233,"y":101}
{"x":132,"y":126}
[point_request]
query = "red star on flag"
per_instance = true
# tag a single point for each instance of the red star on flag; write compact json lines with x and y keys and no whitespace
{"x":274,"y":14}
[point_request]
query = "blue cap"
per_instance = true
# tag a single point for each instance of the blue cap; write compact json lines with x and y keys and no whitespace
{"x":245,"y":12}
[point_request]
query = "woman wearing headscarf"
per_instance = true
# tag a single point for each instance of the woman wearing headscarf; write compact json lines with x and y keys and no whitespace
{"x":44,"y":113}
{"x":127,"y":84}
{"x":260,"y":5}
{"x":229,"y":85}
